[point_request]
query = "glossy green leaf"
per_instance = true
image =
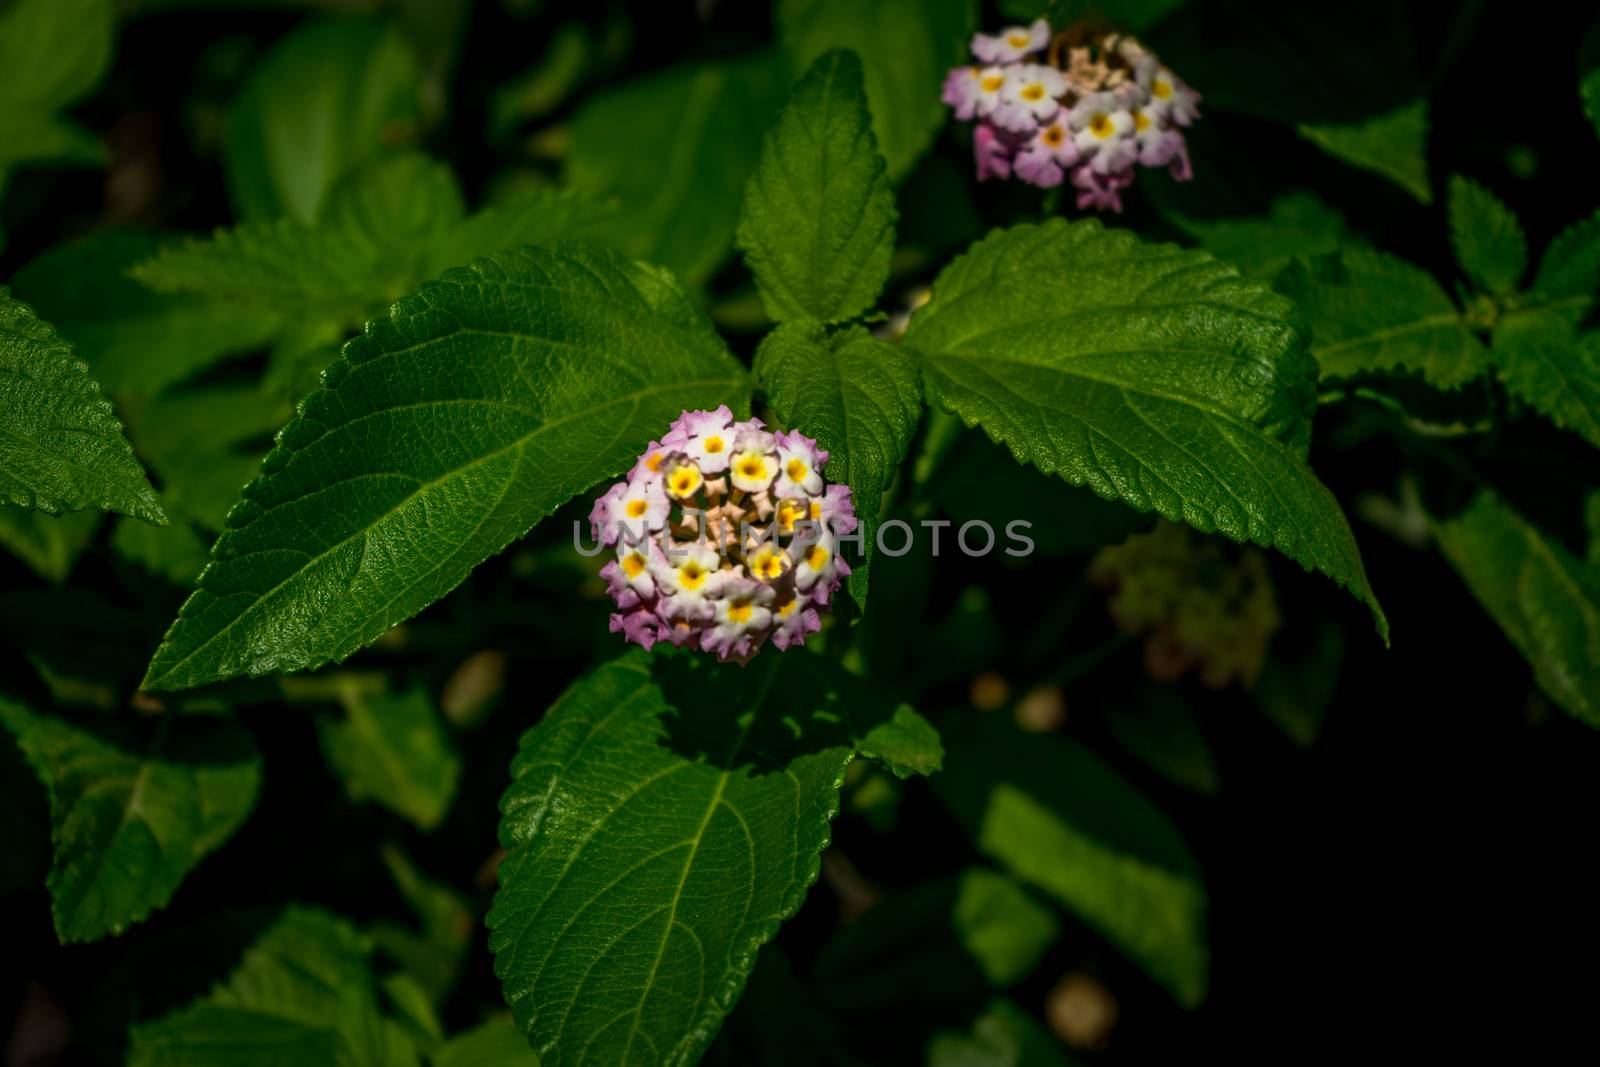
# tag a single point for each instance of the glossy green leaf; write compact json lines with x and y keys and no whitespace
{"x":302,"y":995}
{"x":52,"y":52}
{"x":393,"y":749}
{"x":1297,"y":224}
{"x":61,"y":446}
{"x":1155,"y":376}
{"x":858,"y":396}
{"x":675,"y":149}
{"x":51,"y":544}
{"x":483,"y":403}
{"x":133,"y":811}
{"x":328,"y":97}
{"x":817,"y":228}
{"x":1487,"y":238}
{"x":1393,"y":145}
{"x":906,"y":48}
{"x":1052,"y":813}
{"x":665,"y":816}
{"x":1545,"y":600}
{"x":1003,"y":1036}
{"x":1545,"y":360}
{"x":135,"y":341}
{"x":1373,"y":312}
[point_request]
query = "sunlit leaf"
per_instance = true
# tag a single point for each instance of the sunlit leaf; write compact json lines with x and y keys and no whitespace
{"x":817,"y":227}
{"x":1153,"y":375}
{"x":483,"y":403}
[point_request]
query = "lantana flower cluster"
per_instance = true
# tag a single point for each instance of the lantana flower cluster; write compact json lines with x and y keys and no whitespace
{"x":725,"y":535}
{"x":1198,"y":607}
{"x":1072,"y":107}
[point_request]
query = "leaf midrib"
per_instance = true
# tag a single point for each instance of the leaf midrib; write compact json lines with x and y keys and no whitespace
{"x":423,"y":487}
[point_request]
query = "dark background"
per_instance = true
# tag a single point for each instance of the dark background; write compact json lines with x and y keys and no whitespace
{"x":1421,"y":880}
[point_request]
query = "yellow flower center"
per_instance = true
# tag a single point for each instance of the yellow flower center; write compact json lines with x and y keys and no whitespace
{"x":816,"y":557}
{"x":797,"y":470}
{"x":684,"y":481}
{"x":768,"y":563}
{"x":816,"y":509}
{"x":753,"y":467}
{"x":992,"y":83}
{"x":739,"y":611}
{"x":1162,"y":89}
{"x":1033,"y":94}
{"x":1053,"y":136}
{"x":1141,"y":121}
{"x":714,"y":445}
{"x":691,"y":576}
{"x":787,"y":608}
{"x":637,"y":508}
{"x":1101,"y":126}
{"x":633,"y":564}
{"x":653,"y":461}
{"x":788,"y":512}
{"x":1018,"y":40}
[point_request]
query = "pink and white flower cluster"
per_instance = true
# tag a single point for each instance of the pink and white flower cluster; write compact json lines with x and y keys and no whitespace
{"x":725,"y":535}
{"x":1088,"y":110}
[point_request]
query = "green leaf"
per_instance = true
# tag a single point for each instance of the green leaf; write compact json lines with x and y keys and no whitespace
{"x":1155,"y":376}
{"x":51,"y":544}
{"x":384,"y":230}
{"x":1001,"y":926}
{"x":483,"y":403}
{"x":392,"y":747}
{"x":135,"y":341}
{"x":433,"y":956}
{"x":132,"y":815}
{"x":1297,"y":224}
{"x":1393,"y":145}
{"x":1158,"y":727}
{"x":328,"y":97}
{"x":1545,"y":600}
{"x":302,"y":995}
{"x":859,"y":397}
{"x":665,"y":816}
{"x":1487,"y":238}
{"x":52,"y":52}
{"x":817,"y":228}
{"x":675,"y":149}
{"x":204,"y":443}
{"x":61,"y":447}
{"x":906,"y":47}
{"x":1372,"y":312}
{"x":496,"y":1043}
{"x":1003,"y":1036}
{"x":174,"y":552}
{"x":1571,"y":265}
{"x":1543,"y":359}
{"x":1053,"y":814}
